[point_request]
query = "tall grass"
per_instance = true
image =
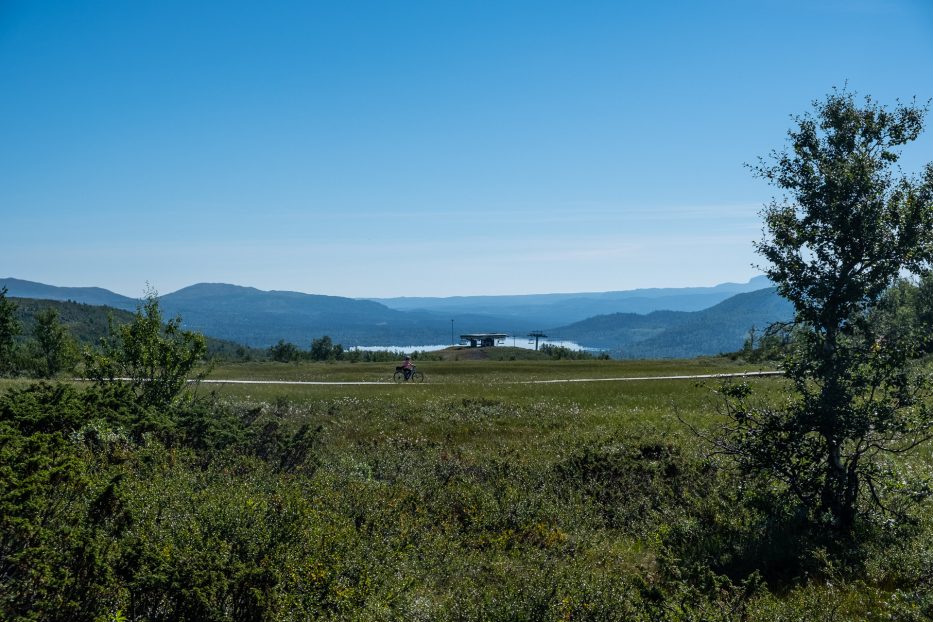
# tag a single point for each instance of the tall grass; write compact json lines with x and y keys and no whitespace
{"x":474,"y":496}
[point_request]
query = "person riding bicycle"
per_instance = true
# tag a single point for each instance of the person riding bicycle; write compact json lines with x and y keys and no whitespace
{"x":407,"y":368}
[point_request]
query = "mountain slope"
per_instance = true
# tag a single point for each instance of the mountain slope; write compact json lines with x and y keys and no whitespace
{"x":720,"y":328}
{"x":19,"y":288}
{"x":260,"y":318}
{"x":88,"y":323}
{"x":555,"y":309}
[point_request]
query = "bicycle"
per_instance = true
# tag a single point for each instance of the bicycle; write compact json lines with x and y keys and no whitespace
{"x":414,"y":376}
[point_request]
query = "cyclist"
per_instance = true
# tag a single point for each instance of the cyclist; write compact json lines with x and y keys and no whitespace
{"x":407,"y":368}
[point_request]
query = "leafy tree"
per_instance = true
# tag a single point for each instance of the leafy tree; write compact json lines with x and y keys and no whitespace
{"x":54,"y":346}
{"x":9,"y":329}
{"x":155,"y":358}
{"x":768,"y":345}
{"x":284,"y":352}
{"x":848,"y":226}
{"x":907,"y":306}
{"x":922,"y":305}
{"x":324,"y":349}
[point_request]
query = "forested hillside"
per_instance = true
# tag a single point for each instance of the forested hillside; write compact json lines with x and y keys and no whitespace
{"x":668,"y":334}
{"x":88,"y":323}
{"x":19,"y":288}
{"x":260,"y":319}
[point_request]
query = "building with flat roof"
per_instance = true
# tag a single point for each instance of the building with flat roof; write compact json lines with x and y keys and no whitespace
{"x":483,"y":340}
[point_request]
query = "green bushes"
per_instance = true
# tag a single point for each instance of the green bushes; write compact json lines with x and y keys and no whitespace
{"x":50,"y":349}
{"x":324,"y":349}
{"x":9,"y":329}
{"x":54,"y":546}
{"x":559,"y":353}
{"x":637,"y":485}
{"x":388,"y":509}
{"x":155,"y":358}
{"x":109,"y":505}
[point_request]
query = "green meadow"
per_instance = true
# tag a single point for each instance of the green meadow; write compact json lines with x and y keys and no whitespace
{"x":481,"y":371}
{"x":481,"y":494}
{"x":487,"y":406}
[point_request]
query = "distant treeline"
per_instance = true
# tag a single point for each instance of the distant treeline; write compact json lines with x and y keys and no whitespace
{"x":88,"y":323}
{"x":906,"y":307}
{"x":324,"y":349}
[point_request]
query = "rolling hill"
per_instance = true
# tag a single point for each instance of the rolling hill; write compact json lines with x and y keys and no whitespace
{"x":670,"y":334}
{"x":556,"y":309}
{"x":87,"y":323}
{"x":88,"y":295}
{"x":258,"y":319}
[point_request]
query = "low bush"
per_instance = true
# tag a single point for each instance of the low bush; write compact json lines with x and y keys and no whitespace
{"x":372,"y":509}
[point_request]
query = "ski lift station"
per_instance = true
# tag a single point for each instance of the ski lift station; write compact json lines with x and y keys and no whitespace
{"x":483,"y":340}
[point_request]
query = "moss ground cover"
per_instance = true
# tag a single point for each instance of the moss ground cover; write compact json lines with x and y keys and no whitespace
{"x":477,"y":498}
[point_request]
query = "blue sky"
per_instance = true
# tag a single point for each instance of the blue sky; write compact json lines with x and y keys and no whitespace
{"x":440,"y":148}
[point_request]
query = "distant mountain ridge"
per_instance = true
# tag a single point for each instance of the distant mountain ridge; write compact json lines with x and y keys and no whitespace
{"x":674,"y":334}
{"x":553,"y":309}
{"x":87,"y":295}
{"x":260,"y":318}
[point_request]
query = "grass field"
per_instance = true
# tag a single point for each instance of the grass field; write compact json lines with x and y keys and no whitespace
{"x":486,"y":408}
{"x":477,"y":495}
{"x":524,"y":411}
{"x":479,"y":371}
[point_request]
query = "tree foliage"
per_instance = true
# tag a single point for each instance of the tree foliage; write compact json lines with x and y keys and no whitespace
{"x":908,"y":306}
{"x":54,"y":346}
{"x":324,"y":349}
{"x":9,"y":329}
{"x":770,"y":344}
{"x":284,"y":352}
{"x":155,"y":357}
{"x":846,"y":228}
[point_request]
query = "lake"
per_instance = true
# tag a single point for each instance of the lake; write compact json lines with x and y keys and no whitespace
{"x":518,"y":342}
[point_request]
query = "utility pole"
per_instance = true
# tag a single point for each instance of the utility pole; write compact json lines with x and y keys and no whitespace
{"x":451,"y":331}
{"x":536,"y":334}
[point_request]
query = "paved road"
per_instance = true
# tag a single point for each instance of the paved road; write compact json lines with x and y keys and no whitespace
{"x":555,"y":381}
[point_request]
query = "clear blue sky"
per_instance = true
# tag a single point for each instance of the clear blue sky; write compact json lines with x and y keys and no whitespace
{"x":417,"y":148}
